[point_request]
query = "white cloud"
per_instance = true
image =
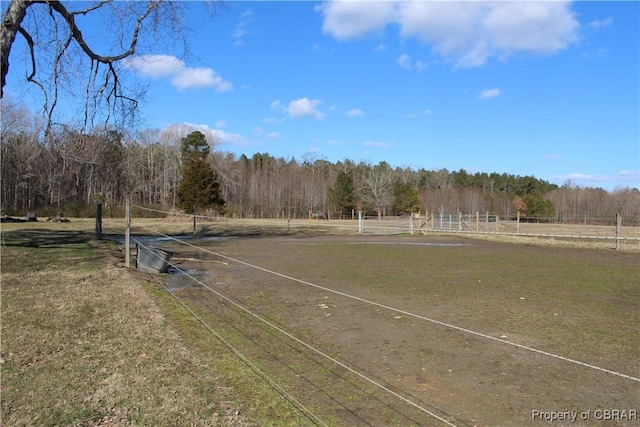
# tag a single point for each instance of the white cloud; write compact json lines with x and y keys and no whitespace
{"x":301,"y":107}
{"x":200,"y":77}
{"x":600,"y":23}
{"x":305,"y":107}
{"x":404,"y":61}
{"x":230,"y":138}
{"x":317,"y":47}
{"x":490,"y":93}
{"x":272,"y":136}
{"x":465,"y":33}
{"x":352,"y":19}
{"x":213,"y":136}
{"x":377,"y":144}
{"x":275,"y":104}
{"x":354,"y":112}
{"x":598,"y":53}
{"x":183,"y":77}
{"x":181,"y":130}
{"x":155,"y":66}
{"x":381,"y":47}
{"x":221,"y":124}
{"x":241,"y":29}
{"x":426,"y":112}
{"x":630,"y":176}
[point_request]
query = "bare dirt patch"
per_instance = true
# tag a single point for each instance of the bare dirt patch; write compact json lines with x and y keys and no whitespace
{"x":410,"y":327}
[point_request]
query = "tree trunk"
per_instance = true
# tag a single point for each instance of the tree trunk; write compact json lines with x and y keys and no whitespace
{"x":10,"y":25}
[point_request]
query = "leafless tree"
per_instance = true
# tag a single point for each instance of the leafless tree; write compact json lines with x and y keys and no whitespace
{"x":81,"y":48}
{"x":377,"y":190}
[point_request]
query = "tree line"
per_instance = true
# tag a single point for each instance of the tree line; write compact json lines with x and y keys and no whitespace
{"x":68,"y":172}
{"x":53,"y":168}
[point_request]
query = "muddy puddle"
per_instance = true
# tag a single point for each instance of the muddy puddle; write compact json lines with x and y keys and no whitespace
{"x":178,"y":279}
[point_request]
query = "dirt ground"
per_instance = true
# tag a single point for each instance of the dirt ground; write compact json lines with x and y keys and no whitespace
{"x":426,"y":330}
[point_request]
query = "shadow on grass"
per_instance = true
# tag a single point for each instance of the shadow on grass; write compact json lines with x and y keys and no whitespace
{"x":40,"y":249}
{"x":207,"y":231}
{"x":44,"y":238}
{"x":262,"y":231}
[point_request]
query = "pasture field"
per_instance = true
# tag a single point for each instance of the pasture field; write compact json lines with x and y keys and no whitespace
{"x":349,"y":329}
{"x":420,"y":315}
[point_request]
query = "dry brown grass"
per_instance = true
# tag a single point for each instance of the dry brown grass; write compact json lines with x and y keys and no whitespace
{"x":87,"y":342}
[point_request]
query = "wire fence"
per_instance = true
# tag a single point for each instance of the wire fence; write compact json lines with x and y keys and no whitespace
{"x":614,"y":230}
{"x":624,"y":234}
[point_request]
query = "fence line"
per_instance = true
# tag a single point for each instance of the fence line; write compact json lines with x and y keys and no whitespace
{"x":492,"y":224}
{"x":478,"y":224}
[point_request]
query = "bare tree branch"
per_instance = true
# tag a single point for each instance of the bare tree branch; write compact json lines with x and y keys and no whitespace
{"x":51,"y":37}
{"x":77,"y":34}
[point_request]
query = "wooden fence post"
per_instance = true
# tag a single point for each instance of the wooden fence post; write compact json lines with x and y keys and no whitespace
{"x":99,"y":221}
{"x":127,"y":233}
{"x":618,"y":230}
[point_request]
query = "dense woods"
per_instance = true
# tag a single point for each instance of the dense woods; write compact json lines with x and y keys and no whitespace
{"x":68,"y":172}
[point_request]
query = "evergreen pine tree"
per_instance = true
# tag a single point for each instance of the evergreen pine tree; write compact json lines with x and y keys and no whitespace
{"x":405,"y":198}
{"x":342,"y":195}
{"x":199,"y":187}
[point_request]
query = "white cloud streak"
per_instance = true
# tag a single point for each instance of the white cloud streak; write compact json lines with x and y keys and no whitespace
{"x":626,"y":176}
{"x":378,"y":144}
{"x":490,"y":93}
{"x":240,"y":31}
{"x":600,"y":23}
{"x":354,"y":112}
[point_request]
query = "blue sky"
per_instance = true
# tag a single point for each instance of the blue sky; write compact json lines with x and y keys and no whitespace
{"x":547,"y":89}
